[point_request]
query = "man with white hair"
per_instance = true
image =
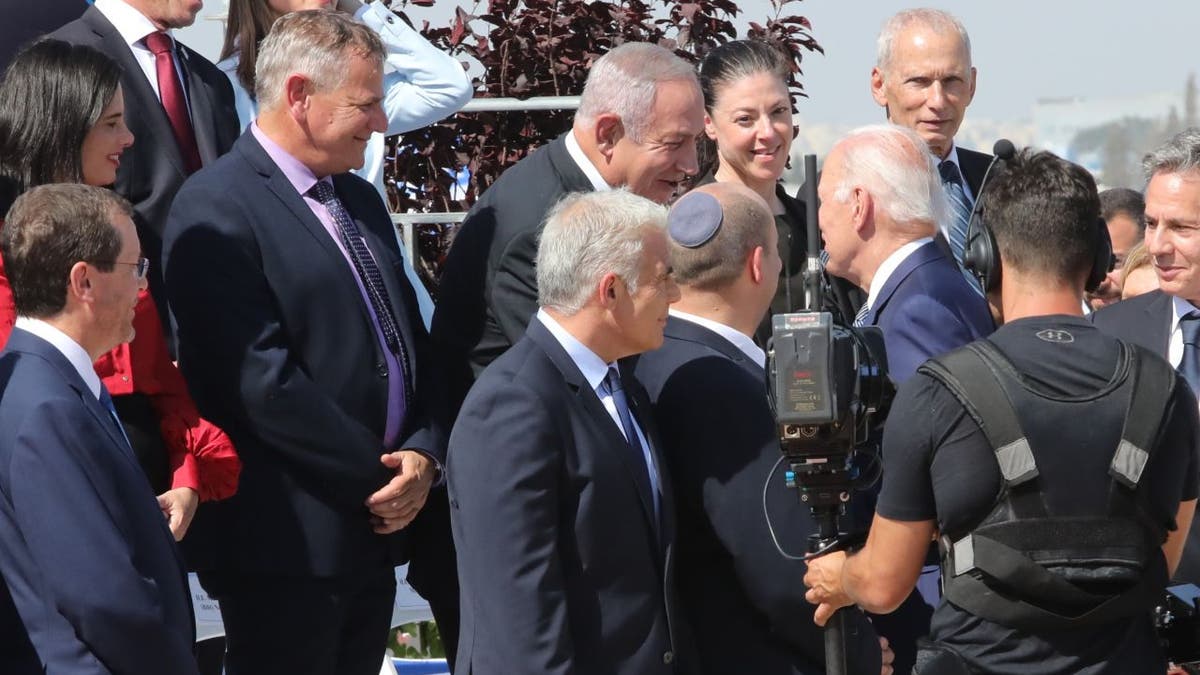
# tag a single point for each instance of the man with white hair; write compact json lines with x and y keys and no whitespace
{"x":924,"y":80}
{"x":562,"y":513}
{"x":880,"y":205}
{"x":300,"y":335}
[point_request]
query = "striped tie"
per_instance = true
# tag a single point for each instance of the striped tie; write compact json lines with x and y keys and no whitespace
{"x":960,"y":207}
{"x":861,"y":318}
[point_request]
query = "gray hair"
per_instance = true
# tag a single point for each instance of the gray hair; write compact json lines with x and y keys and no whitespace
{"x":893,"y":164}
{"x":939,"y":21}
{"x":312,"y":43}
{"x":1180,"y":154}
{"x":624,"y":82}
{"x":588,"y":235}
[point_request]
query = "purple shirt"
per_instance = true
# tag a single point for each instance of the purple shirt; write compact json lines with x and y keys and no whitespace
{"x":303,"y":179}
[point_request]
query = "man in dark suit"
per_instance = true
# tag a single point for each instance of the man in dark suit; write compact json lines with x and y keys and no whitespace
{"x":96,"y":581}
{"x":880,"y":205}
{"x":924,"y":80}
{"x":638,"y":119}
{"x":300,"y":336}
{"x":721,"y":445}
{"x":1166,"y":320}
{"x":178,"y":105}
{"x":563,"y":515}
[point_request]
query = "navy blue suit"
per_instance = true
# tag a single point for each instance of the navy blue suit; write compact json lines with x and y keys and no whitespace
{"x":721,"y":444}
{"x":925,"y":309}
{"x":561,"y":564}
{"x":93,"y":571}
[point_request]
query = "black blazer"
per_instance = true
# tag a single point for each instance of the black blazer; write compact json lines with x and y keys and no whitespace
{"x":279,"y":349}
{"x":488,"y":289}
{"x":152,"y":169}
{"x":562,"y":565}
{"x":720,"y":444}
{"x":96,"y":575}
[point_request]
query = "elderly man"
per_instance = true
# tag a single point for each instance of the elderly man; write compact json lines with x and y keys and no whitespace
{"x":563,"y":514}
{"x":300,"y":335}
{"x":720,"y":445}
{"x":924,"y":80}
{"x":1167,"y":320}
{"x":1058,"y":466}
{"x":1124,"y":212}
{"x":96,"y":581}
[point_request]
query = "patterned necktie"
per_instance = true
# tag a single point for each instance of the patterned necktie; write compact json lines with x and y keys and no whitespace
{"x":368,"y":271}
{"x":170,"y":90}
{"x":861,"y":318}
{"x":613,"y":387}
{"x":107,"y":402}
{"x":1189,"y":365}
{"x":960,"y":208}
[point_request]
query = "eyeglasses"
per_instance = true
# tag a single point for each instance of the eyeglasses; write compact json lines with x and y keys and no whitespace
{"x":142,"y":266}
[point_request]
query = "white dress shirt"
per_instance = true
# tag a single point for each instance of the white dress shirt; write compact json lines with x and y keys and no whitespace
{"x":738,"y":339}
{"x":595,"y":370}
{"x":1175,"y":343}
{"x":585,"y":165}
{"x":134,"y":27}
{"x":889,"y":266}
{"x":69,"y":348}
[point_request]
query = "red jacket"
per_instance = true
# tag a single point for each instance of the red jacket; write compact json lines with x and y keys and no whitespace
{"x":201,"y":456}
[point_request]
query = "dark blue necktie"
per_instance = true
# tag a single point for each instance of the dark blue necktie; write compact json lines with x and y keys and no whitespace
{"x":368,"y":271}
{"x":1189,"y":365}
{"x":107,"y":402}
{"x":613,"y":387}
{"x":960,"y":211}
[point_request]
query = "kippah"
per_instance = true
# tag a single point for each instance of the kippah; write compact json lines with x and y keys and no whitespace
{"x":694,"y":219}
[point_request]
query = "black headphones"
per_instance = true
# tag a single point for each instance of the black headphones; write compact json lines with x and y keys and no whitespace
{"x":981,"y":257}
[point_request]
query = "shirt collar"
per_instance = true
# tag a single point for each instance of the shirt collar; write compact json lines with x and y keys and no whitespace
{"x":300,"y":176}
{"x":737,"y":338}
{"x":889,"y":265}
{"x":1181,"y":308}
{"x":585,"y":164}
{"x":594,"y":368}
{"x":69,"y":348}
{"x":130,"y":23}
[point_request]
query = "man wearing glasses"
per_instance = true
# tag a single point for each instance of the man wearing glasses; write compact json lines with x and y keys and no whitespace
{"x":94,"y":581}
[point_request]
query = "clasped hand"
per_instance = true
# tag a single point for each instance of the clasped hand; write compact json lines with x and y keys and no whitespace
{"x":395,"y":505}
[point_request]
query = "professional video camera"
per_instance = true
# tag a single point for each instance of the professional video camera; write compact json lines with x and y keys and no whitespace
{"x":1177,"y":620}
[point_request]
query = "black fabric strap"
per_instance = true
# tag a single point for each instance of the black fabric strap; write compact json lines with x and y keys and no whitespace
{"x":1153,"y":386}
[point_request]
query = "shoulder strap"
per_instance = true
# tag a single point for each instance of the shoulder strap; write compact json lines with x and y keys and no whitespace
{"x":1153,"y":385}
{"x":972,"y":374}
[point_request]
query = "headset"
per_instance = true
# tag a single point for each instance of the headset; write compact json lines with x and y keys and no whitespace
{"x":981,"y":257}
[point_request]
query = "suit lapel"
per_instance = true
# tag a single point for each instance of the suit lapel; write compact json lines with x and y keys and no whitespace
{"x":1160,"y":314}
{"x":200,"y":100}
{"x":147,"y":118}
{"x":610,"y":435}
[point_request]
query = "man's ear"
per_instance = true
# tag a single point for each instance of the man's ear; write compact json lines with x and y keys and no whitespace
{"x":606,"y":290}
{"x":877,"y":91}
{"x":79,"y":282}
{"x":297,"y":89}
{"x":609,"y":131}
{"x":862,"y":206}
{"x":754,"y":264}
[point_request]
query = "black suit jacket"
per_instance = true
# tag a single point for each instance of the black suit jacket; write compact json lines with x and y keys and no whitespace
{"x":1146,"y":320}
{"x":488,"y":289}
{"x":720,"y":444}
{"x":93,"y":569}
{"x":562,"y":565}
{"x":279,"y":349}
{"x":152,"y":169}
{"x":26,"y":21}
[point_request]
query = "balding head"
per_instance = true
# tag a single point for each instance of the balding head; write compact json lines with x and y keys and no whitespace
{"x":742,"y":222}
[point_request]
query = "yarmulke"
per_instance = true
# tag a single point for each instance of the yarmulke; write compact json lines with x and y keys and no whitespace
{"x":694,"y":219}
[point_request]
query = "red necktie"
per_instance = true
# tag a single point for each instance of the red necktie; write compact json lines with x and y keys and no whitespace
{"x":171,"y":92}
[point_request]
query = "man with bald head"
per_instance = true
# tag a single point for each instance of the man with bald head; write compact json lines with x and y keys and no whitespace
{"x":720,"y":446}
{"x":924,"y":80}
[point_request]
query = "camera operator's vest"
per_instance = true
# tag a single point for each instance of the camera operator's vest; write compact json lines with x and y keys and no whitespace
{"x":1027,"y":564}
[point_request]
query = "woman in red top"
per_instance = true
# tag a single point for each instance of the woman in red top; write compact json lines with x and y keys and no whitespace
{"x":62,"y":120}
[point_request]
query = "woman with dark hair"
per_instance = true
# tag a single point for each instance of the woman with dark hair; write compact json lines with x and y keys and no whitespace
{"x":748,"y":124}
{"x":62,"y":120}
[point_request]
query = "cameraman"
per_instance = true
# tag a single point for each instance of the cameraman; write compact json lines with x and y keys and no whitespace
{"x":1068,"y":391}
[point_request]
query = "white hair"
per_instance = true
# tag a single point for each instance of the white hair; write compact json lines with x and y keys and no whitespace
{"x":588,"y":235}
{"x":312,"y":43}
{"x":937,"y":20}
{"x":624,"y":82}
{"x":893,"y":164}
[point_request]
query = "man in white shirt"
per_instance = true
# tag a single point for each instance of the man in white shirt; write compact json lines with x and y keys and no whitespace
{"x":562,"y":514}
{"x":95,"y":582}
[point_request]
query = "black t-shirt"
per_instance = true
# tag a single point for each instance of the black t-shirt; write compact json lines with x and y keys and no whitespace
{"x":939,"y":466}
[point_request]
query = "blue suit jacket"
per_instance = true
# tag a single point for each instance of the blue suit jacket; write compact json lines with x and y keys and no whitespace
{"x":925,"y":309}
{"x":562,"y":567}
{"x":280,"y":350}
{"x":91,"y":566}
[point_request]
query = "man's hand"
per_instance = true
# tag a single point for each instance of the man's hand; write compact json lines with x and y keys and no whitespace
{"x":179,"y":505}
{"x":395,"y":505}
{"x":824,"y":582}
